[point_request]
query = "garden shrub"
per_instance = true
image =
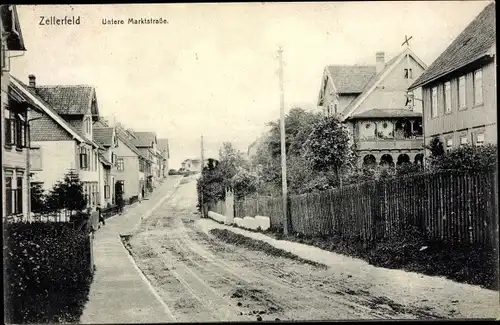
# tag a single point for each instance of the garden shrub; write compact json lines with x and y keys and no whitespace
{"x":47,"y":272}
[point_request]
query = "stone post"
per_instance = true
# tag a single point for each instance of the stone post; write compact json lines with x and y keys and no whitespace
{"x":229,"y":207}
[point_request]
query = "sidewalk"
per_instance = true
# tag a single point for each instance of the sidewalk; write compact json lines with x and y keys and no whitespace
{"x":119,"y":292}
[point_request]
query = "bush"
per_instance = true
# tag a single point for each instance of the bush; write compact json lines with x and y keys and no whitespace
{"x":47,"y":272}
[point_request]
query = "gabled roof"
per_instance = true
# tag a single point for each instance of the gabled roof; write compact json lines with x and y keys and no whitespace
{"x":351,"y":79}
{"x":386,"y":113}
{"x":103,"y":159}
{"x":47,"y":109}
{"x":144,"y":139}
{"x":472,"y":44}
{"x":164,"y":147}
{"x":376,"y":80}
{"x":122,"y":136}
{"x":104,"y":136}
{"x":69,"y":99}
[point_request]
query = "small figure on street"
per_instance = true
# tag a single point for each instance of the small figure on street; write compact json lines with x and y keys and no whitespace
{"x":101,"y":217}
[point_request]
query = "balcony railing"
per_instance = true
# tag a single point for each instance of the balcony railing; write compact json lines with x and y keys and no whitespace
{"x":415,"y":142}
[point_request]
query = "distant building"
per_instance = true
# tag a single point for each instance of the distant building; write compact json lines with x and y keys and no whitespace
{"x":374,"y":102}
{"x":459,"y":88}
{"x":192,"y":165}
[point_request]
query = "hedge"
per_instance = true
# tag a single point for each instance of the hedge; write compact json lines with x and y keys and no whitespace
{"x":47,"y":272}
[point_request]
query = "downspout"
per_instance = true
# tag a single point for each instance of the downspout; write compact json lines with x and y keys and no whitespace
{"x":28,"y":166}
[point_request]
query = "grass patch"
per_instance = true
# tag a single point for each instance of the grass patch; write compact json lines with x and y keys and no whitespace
{"x":465,"y":263}
{"x":230,"y":237}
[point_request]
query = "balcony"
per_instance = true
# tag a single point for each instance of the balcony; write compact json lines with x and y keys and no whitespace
{"x":413,"y":143}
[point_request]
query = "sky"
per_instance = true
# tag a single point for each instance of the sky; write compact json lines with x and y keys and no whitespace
{"x":212,"y":70}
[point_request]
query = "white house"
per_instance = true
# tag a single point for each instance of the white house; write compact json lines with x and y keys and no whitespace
{"x":61,"y":137}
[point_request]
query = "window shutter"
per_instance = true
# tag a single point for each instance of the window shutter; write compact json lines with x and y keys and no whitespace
{"x":18,"y":132}
{"x":8,"y":131}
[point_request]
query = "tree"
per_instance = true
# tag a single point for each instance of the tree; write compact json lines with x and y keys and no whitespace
{"x":210,"y":185}
{"x":436,"y":147}
{"x":68,"y":195}
{"x":328,"y":147}
{"x":38,"y":199}
{"x":298,"y":124}
{"x":243,"y":184}
{"x":230,"y":161}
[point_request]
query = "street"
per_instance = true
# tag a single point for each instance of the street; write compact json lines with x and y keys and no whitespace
{"x":201,"y":278}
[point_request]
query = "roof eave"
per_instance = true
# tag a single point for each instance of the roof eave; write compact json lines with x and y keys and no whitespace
{"x":418,"y":84}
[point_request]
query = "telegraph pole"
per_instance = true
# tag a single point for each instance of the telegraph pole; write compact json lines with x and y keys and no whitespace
{"x":202,"y":207}
{"x":283,"y":148}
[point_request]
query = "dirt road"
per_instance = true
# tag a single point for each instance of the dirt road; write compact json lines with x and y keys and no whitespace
{"x":203,"y":279}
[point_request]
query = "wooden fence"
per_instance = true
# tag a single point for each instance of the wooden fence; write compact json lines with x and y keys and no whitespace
{"x":268,"y":206}
{"x":450,"y":206}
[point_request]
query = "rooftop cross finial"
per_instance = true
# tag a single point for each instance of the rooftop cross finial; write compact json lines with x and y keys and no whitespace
{"x":407,"y":41}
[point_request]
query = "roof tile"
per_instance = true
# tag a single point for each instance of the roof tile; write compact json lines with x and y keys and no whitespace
{"x":68,"y":99}
{"x":351,"y":78}
{"x":473,"y":43}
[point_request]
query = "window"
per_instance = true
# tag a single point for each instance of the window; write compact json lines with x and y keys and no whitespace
{"x":36,"y":159}
{"x":107,"y":192}
{"x":478,"y":87}
{"x":19,"y":195}
{"x":449,"y":143}
{"x":447,"y":97}
{"x":8,"y":195}
{"x":119,"y":164}
{"x":463,"y":140}
{"x":83,"y":158}
{"x":462,"y":102}
{"x":408,"y":74}
{"x":434,"y":102}
{"x":480,"y":139}
{"x":9,"y":131}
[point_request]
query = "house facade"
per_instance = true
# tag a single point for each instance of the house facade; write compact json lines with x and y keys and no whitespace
{"x":129,"y":173}
{"x":106,"y":137}
{"x":61,"y":138}
{"x":57,"y":147}
{"x":384,"y":120}
{"x":146,"y":143}
{"x":15,"y":110}
{"x":459,"y":88}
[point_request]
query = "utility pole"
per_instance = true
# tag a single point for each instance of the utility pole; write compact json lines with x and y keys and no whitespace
{"x":283,"y":148}
{"x":202,"y":207}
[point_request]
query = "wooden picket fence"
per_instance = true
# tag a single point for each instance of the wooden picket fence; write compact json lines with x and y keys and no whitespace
{"x":449,"y":206}
{"x":268,"y":206}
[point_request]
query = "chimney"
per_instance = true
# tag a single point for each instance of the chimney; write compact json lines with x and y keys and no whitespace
{"x":32,"y":81}
{"x":380,"y":61}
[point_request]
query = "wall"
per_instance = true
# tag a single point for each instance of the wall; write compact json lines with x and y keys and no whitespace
{"x":463,"y":121}
{"x":390,"y":93}
{"x":130,"y":175}
{"x":57,"y":158}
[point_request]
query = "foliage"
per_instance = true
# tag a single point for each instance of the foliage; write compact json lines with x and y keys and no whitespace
{"x":328,"y":147}
{"x":37,"y":198}
{"x":210,"y":183}
{"x":436,"y":147}
{"x":244,"y":184}
{"x":230,"y":161}
{"x":467,"y":158}
{"x":67,"y":194}
{"x":298,"y":125}
{"x":47,"y":272}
